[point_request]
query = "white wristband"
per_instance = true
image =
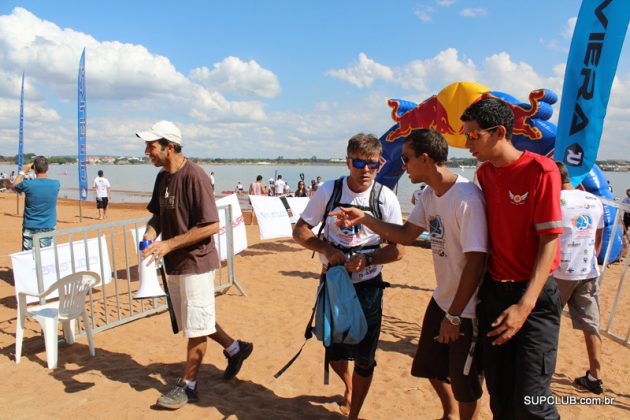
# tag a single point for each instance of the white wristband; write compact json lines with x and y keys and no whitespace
{"x":21,"y":173}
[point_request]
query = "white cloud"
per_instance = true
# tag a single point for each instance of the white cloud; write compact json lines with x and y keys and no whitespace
{"x":363,"y":73}
{"x":232,"y":75}
{"x":474,"y":12}
{"x":501,"y":73}
{"x":428,"y":76}
{"x":567,"y":33}
{"x":123,"y":81}
{"x":444,"y":68}
{"x":424,"y":13}
{"x":446,"y":3}
{"x":127,"y":73}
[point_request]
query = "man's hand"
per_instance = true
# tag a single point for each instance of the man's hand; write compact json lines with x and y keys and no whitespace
{"x":348,"y":216}
{"x":334,"y":256}
{"x":355,"y":263}
{"x":27,"y":167}
{"x":448,"y":332}
{"x":509,"y":323}
{"x":156,"y":251}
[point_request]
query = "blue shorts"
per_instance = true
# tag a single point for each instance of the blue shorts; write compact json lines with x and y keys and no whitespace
{"x":27,"y":238}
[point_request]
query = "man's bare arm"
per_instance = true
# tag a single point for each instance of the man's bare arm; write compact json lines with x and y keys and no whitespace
{"x":390,"y":232}
{"x":196,"y":234}
{"x":303,"y":235}
{"x":468,"y":283}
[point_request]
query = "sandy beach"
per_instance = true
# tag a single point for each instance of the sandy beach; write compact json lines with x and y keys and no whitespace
{"x":138,"y":361}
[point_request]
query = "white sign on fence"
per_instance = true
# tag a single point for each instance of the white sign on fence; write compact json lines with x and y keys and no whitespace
{"x":238,"y":226}
{"x":297,"y":205}
{"x":273,"y":220}
{"x":25,"y":275}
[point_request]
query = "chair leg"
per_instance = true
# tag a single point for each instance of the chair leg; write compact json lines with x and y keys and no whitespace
{"x":68,"y":330}
{"x":19,"y":336}
{"x":49,"y":326}
{"x":88,"y":332}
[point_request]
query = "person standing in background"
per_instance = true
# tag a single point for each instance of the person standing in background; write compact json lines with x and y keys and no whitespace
{"x":256,"y":188}
{"x":212,"y":180}
{"x":279,"y":186}
{"x":102,"y":188}
{"x":301,"y":190}
{"x":40,"y":203}
{"x":578,"y":273}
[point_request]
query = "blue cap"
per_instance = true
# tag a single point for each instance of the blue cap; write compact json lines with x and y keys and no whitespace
{"x":145,"y":243}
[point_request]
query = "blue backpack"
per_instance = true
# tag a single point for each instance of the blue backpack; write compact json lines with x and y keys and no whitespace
{"x":339,"y":317}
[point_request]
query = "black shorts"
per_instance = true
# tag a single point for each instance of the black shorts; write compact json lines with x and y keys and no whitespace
{"x":101,"y":202}
{"x":449,"y":362}
{"x":522,"y":367}
{"x":370,"y":294}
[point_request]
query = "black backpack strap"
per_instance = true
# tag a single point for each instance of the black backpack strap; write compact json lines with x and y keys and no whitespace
{"x":308,"y":333}
{"x":375,"y":196}
{"x":332,"y":203}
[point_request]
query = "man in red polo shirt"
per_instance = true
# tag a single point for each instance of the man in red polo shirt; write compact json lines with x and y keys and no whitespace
{"x":519,"y":303}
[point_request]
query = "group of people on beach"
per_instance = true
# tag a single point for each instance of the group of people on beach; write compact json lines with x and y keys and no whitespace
{"x":280,"y":188}
{"x":508,"y":255}
{"x":495,"y":311}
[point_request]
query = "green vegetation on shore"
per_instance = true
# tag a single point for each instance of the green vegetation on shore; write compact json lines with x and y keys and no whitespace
{"x":606,"y":165}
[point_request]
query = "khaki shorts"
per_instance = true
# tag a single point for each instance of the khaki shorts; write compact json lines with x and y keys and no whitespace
{"x":192,"y":296}
{"x":582,"y":296}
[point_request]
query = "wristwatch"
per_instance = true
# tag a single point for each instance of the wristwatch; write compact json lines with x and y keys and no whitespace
{"x":369,"y":259}
{"x":22,"y":173}
{"x":453,"y":319}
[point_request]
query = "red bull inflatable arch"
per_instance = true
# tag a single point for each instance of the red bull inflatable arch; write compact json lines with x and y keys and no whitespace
{"x":532,"y":131}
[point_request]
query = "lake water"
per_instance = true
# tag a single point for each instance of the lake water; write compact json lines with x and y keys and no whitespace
{"x":134,"y":183}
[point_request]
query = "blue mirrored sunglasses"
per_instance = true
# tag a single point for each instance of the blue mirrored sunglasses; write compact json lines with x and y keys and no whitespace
{"x":360,"y":163}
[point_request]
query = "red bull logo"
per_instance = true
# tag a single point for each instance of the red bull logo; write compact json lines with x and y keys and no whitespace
{"x":429,"y":114}
{"x":440,"y":112}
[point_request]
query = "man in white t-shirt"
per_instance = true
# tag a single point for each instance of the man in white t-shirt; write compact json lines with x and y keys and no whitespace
{"x":279,"y":185}
{"x":577,"y":275}
{"x":103,"y":194}
{"x":452,"y":210}
{"x":360,"y":251}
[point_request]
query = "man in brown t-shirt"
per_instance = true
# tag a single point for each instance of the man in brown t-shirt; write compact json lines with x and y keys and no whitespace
{"x":185,"y":213}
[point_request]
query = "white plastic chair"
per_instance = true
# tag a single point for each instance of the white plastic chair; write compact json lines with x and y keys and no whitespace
{"x":71,"y":305}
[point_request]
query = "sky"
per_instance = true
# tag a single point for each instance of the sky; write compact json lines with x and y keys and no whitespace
{"x":263,"y":79}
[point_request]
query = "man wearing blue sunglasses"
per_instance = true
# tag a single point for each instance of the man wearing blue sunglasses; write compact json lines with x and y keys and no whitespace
{"x":360,"y":251}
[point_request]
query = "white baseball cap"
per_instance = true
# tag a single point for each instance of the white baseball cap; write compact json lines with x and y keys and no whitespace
{"x":162,"y":130}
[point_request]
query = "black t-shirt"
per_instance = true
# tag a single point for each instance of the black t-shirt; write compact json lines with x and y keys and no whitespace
{"x":182,"y":201}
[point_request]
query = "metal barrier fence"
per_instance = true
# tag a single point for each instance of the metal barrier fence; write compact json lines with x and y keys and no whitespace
{"x":609,"y":310}
{"x":112,"y":304}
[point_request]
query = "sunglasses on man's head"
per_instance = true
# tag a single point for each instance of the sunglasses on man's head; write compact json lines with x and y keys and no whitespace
{"x":475,"y":134}
{"x":361,"y":163}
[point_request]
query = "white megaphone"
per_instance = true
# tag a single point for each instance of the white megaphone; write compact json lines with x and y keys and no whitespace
{"x":149,"y":285}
